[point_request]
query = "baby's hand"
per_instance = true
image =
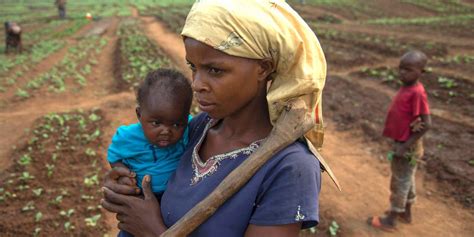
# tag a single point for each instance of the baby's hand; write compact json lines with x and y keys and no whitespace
{"x":127,"y":181}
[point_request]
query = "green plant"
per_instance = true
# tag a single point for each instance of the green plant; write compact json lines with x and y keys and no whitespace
{"x":57,"y":200}
{"x":91,"y":181}
{"x":28,"y":207}
{"x":25,"y":160}
{"x":54,"y":157}
{"x":37,"y":231}
{"x":333,"y":228}
{"x":22,"y":93}
{"x":87,"y":197}
{"x":94,"y":117}
{"x":67,"y":213}
{"x":90,"y":152}
{"x":446,"y":82}
{"x":22,"y":187}
{"x":68,"y":226}
{"x":38,"y":216}
{"x":50,"y":169}
{"x":37,"y":191}
{"x":25,"y":176}
{"x":92,"y":221}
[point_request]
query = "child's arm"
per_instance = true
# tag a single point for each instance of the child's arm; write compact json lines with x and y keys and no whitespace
{"x":426,"y":125}
{"x":124,"y":179}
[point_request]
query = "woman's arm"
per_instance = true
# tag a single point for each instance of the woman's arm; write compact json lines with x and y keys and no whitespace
{"x":290,"y":230}
{"x":138,"y":216}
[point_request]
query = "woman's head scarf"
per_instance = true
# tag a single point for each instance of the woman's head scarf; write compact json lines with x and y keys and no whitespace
{"x":267,"y":29}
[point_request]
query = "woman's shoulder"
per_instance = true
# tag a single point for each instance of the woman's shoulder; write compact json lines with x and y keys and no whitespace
{"x":297,"y":153}
{"x":295,"y":158}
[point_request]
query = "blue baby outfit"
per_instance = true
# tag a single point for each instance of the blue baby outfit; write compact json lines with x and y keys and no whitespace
{"x":132,"y":148}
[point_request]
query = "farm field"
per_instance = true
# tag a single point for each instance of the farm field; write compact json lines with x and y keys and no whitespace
{"x":63,"y":97}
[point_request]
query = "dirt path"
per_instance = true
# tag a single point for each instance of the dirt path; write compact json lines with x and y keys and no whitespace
{"x":361,"y":197}
{"x":365,"y":178}
{"x":169,"y":42}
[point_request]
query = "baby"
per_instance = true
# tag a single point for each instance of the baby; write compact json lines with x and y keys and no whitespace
{"x":154,"y":145}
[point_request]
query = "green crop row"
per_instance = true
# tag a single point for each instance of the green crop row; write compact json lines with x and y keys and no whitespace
{"x":75,"y":65}
{"x":138,"y":54}
{"x":38,"y":52}
{"x":444,"y":20}
{"x":51,"y":43}
{"x":441,"y":6}
{"x":380,"y":44}
{"x":39,"y":183}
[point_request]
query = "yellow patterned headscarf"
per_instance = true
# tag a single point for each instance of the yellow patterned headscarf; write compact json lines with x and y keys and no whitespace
{"x":261,"y":29}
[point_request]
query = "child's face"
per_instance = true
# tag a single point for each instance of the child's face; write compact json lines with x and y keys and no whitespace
{"x":163,"y":123}
{"x":410,"y":71}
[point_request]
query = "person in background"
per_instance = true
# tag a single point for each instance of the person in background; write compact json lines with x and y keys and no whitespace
{"x":407,"y":121}
{"x":61,"y":5}
{"x":13,"y":37}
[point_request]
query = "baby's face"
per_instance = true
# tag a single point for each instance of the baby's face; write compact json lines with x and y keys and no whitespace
{"x":163,"y":125}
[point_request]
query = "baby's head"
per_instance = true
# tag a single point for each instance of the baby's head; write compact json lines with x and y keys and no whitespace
{"x":164,"y":99}
{"x":412,"y":66}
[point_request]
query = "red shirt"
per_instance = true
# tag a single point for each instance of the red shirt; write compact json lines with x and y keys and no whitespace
{"x":409,"y":103}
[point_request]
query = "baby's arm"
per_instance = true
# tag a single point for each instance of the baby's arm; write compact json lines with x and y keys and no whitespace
{"x":124,"y":179}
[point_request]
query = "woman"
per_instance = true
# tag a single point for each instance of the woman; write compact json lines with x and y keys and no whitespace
{"x":248,"y":59}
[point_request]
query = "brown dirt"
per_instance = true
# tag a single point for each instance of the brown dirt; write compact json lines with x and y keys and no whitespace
{"x":56,"y":147}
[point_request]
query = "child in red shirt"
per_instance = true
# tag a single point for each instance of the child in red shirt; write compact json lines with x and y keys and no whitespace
{"x":407,"y":121}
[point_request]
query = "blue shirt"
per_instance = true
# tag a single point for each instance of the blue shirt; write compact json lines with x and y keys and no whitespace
{"x":132,"y":148}
{"x":284,"y":191}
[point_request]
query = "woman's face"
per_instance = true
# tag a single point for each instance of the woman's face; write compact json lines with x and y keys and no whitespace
{"x":223,"y":84}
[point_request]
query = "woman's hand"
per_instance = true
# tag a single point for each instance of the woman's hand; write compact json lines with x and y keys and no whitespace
{"x":116,"y":180}
{"x":136,"y":215}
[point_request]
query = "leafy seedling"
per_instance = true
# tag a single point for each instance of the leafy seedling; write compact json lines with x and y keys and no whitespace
{"x":68,"y":226}
{"x":67,"y":213}
{"x":92,"y":221}
{"x":37,"y":191}
{"x":25,"y":160}
{"x":333,"y":228}
{"x":37,"y":231}
{"x":56,"y":201}
{"x":91,"y":181}
{"x":25,"y":176}
{"x":50,"y":170}
{"x":28,"y":207}
{"x":38,"y":216}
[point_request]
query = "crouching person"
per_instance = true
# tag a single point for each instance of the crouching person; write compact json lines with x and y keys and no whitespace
{"x":12,"y":36}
